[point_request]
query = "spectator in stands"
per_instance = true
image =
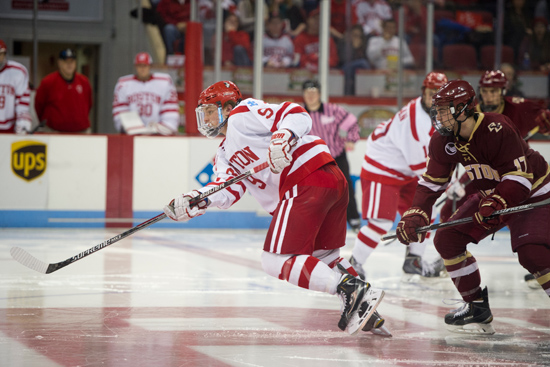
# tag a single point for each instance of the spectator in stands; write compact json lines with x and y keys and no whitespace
{"x":357,"y":58}
{"x":339,"y":129}
{"x":14,"y":95}
{"x":278,"y":46}
{"x":292,"y":13}
{"x":536,"y":48}
{"x":383,"y":51}
{"x":415,"y":21}
{"x":306,"y":45}
{"x":370,"y":14}
{"x":152,"y":96}
{"x":513,"y":83}
{"x":246,"y":11}
{"x":64,"y":97}
{"x":176,"y":14}
{"x":236,"y":46}
{"x":517,"y":24}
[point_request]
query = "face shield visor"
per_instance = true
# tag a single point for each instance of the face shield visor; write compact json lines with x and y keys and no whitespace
{"x":443,"y":120}
{"x":210,"y":120}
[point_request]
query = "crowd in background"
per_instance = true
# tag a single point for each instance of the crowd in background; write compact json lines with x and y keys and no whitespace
{"x":363,"y":32}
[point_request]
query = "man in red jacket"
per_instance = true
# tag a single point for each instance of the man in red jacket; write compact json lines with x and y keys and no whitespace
{"x":64,"y":97}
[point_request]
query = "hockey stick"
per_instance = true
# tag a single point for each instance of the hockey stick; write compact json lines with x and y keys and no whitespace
{"x":39,"y":126}
{"x":33,"y":263}
{"x":513,"y":210}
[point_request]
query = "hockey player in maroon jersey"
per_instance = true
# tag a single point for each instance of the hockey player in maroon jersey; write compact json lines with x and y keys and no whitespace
{"x":506,"y":173}
{"x":530,"y":117}
{"x":304,"y":191}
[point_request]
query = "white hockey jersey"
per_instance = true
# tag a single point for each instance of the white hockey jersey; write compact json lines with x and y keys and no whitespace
{"x":155,"y":100}
{"x":250,"y":126}
{"x":397,"y":148}
{"x":14,"y":95}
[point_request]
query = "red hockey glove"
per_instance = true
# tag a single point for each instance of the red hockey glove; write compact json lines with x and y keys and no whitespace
{"x":487,"y":206}
{"x":543,"y":122}
{"x":278,"y":155}
{"x":411,"y":220}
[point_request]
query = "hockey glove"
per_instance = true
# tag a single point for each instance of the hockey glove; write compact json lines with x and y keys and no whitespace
{"x":278,"y":155}
{"x":456,"y":191}
{"x":543,"y":122}
{"x":22,"y":126}
{"x":487,"y":206}
{"x":410,"y":221}
{"x":179,"y":209}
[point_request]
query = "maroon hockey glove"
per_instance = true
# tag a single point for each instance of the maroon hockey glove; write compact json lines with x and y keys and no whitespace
{"x":411,"y":220}
{"x":487,"y":206}
{"x":543,"y":122}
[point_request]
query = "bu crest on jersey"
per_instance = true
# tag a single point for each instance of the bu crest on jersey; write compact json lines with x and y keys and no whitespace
{"x":28,"y":159}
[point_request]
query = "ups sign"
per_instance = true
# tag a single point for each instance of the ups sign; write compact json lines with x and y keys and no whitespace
{"x":28,"y":159}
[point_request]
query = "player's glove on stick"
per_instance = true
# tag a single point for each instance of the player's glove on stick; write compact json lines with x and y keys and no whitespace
{"x":488,"y":206}
{"x":456,"y":191}
{"x":543,"y":122}
{"x":22,"y":126}
{"x":410,"y":221}
{"x":278,"y":155}
{"x":179,"y":209}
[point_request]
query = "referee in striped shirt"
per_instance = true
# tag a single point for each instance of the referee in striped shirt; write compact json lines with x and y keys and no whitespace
{"x":339,"y":129}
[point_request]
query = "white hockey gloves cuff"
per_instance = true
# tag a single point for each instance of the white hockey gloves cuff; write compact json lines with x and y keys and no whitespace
{"x":456,"y":190}
{"x":22,"y":126}
{"x":179,"y":209}
{"x":278,"y":155}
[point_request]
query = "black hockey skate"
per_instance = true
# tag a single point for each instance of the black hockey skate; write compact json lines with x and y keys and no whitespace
{"x":472,"y":318}
{"x":375,"y":325}
{"x":530,"y":280}
{"x":355,"y":293}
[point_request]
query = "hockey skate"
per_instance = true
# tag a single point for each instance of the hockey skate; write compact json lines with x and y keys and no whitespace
{"x":355,"y":293}
{"x":415,"y":268}
{"x":472,"y":318}
{"x":530,"y":280}
{"x":375,"y":325}
{"x":358,"y":268}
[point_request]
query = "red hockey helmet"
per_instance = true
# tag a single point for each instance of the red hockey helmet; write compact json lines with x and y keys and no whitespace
{"x":434,"y":80}
{"x":220,"y":93}
{"x":143,"y":58}
{"x":217,"y":96}
{"x":3,"y":47}
{"x":459,"y":96}
{"x":494,"y":79}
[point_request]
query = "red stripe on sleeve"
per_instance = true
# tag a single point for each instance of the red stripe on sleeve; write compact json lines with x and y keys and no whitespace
{"x":412,"y":115}
{"x":278,"y":116}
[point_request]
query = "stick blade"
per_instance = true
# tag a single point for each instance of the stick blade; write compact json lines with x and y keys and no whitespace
{"x":26,"y":259}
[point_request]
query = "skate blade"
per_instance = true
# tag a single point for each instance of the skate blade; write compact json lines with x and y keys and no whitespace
{"x":381,"y":331}
{"x":417,"y":278}
{"x":533,"y":284}
{"x":473,"y":329}
{"x":372,"y":297}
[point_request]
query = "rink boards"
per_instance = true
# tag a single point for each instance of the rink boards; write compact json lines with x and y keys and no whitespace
{"x":117,"y":180}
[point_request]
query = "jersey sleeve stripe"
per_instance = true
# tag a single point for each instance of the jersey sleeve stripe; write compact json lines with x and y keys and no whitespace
{"x":412,"y":115}
{"x":279,"y":115}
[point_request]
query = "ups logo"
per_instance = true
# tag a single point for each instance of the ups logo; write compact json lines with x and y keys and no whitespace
{"x":28,"y":159}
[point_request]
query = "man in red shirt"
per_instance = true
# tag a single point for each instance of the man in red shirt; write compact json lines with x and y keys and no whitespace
{"x":306,"y":45}
{"x":176,"y":14}
{"x":64,"y":97}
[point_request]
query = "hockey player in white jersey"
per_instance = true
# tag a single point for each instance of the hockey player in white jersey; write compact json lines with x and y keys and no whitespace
{"x":14,"y":95}
{"x":394,"y":160}
{"x":152,"y":95}
{"x":304,"y":191}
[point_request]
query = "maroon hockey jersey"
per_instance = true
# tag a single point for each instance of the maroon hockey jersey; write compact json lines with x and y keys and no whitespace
{"x":495,"y":158}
